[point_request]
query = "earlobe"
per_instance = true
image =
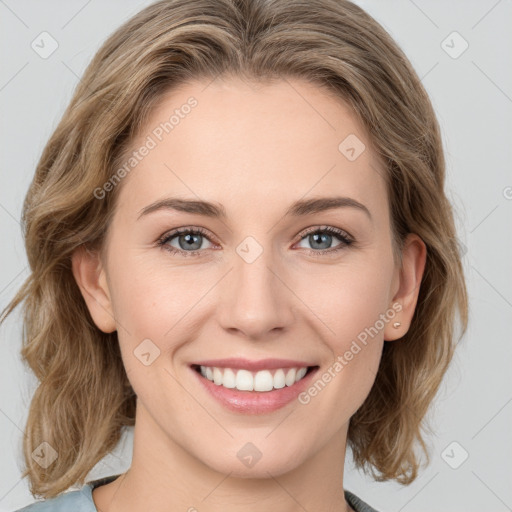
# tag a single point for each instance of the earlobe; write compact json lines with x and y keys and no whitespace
{"x":414,"y":256}
{"x":90,"y":276}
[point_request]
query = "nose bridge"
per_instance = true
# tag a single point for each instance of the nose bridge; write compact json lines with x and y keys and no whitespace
{"x":255,"y":300}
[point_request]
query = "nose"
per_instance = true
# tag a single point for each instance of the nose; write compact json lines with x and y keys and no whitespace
{"x":255,"y":300}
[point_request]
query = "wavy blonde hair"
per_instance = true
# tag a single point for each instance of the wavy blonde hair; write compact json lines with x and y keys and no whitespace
{"x":84,"y":397}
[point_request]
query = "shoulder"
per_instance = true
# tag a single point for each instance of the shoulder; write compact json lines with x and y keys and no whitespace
{"x":357,"y":503}
{"x":71,"y":501}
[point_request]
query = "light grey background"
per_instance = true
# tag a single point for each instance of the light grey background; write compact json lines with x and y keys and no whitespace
{"x":472,"y":97}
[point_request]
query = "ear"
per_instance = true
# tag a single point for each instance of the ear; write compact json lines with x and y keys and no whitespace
{"x":91,"y":279}
{"x":408,"y":279}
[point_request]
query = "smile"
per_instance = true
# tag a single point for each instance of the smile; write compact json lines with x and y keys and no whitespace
{"x":245,"y":380}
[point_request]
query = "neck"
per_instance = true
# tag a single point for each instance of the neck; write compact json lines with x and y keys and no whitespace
{"x":164,"y":476}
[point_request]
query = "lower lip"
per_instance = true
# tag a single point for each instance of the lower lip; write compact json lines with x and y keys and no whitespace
{"x":255,"y":402}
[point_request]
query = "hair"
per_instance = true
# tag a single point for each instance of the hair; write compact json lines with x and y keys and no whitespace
{"x":84,"y":397}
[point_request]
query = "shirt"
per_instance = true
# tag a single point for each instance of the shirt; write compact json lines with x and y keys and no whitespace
{"x":81,"y":500}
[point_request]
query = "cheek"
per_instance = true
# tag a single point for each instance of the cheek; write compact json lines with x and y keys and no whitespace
{"x":149,"y":312}
{"x":358,"y":313}
{"x":349,"y":298}
{"x":363,"y":300}
{"x":148,"y":294}
{"x":350,"y":306}
{"x":155,"y":300}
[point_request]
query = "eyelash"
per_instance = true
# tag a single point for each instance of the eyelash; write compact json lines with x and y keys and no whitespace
{"x":346,"y":241}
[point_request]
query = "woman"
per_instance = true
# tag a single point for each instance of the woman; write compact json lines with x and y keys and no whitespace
{"x":240,"y":245}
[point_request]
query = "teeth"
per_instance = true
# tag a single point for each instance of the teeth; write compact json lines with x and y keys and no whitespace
{"x":279,"y":379}
{"x":217,"y":376}
{"x":244,"y":380}
{"x":300,"y":374}
{"x":229,"y":378}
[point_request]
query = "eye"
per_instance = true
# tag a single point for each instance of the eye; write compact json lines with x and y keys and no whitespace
{"x":322,"y":237}
{"x":190,"y":240}
{"x":186,"y":238}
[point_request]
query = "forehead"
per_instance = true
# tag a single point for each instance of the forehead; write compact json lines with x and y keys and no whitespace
{"x":241,"y":144}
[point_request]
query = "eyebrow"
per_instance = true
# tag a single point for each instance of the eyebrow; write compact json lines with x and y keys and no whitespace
{"x":299,"y":208}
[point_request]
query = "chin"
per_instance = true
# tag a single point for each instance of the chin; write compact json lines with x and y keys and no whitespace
{"x":251,"y":462}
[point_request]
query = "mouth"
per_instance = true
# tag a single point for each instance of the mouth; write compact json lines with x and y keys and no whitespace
{"x":261,"y":381}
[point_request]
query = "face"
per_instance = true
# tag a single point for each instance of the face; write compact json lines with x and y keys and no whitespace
{"x":310,"y":285}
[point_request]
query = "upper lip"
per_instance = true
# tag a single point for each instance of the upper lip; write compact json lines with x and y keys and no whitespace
{"x":246,"y":364}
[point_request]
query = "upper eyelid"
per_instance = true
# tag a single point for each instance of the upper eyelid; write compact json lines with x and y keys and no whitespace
{"x":334,"y":230}
{"x":180,"y":231}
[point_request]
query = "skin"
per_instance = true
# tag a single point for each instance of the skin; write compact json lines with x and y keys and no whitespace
{"x":255,"y":149}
